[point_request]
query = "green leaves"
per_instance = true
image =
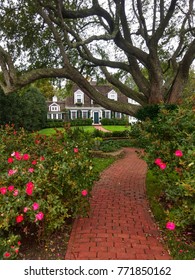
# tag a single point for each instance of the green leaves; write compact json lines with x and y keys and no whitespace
{"x":171,"y":138}
{"x":25,"y":109}
{"x":55,"y":170}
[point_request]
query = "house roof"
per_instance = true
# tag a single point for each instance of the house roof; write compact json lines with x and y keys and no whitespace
{"x":103,"y":89}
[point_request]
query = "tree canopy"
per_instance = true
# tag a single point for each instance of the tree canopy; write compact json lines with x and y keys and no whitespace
{"x":26,"y":109}
{"x":149,"y":43}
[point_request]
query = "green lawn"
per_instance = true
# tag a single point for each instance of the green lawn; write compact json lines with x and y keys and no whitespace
{"x":50,"y":131}
{"x":116,"y":127}
{"x":102,"y":163}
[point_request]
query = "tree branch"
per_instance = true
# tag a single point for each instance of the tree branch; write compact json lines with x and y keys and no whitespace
{"x":127,"y":91}
{"x":163,"y":24}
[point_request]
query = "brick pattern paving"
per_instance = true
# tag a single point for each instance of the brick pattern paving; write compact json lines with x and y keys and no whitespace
{"x":120,"y":225}
{"x":99,"y":127}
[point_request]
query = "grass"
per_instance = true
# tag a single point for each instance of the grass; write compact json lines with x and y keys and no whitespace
{"x":180,"y":245}
{"x":116,"y":127}
{"x":50,"y":131}
{"x":102,"y":163}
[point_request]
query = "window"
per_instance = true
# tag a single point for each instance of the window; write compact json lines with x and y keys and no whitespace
{"x":59,"y":116}
{"x":107,"y":114}
{"x":113,"y":95}
{"x":117,"y":115}
{"x":78,"y":97}
{"x":73,"y":115}
{"x":84,"y":114}
{"x":54,"y":108}
{"x":54,"y":116}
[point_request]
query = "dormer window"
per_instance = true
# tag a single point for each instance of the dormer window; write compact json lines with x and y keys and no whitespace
{"x":113,"y":95}
{"x":78,"y":97}
{"x":54,"y":107}
{"x":132,"y":101}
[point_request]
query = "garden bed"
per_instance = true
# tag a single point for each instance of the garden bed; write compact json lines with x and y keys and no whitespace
{"x":52,"y":248}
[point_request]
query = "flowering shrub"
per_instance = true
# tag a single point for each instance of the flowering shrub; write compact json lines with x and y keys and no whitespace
{"x":43,"y":182}
{"x":169,"y":143}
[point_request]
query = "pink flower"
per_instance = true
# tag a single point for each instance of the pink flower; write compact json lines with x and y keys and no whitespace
{"x":42,"y":158}
{"x":26,"y":157}
{"x":34,"y":162}
{"x":76,"y":150}
{"x":170,"y":225}
{"x":84,"y":192}
{"x":19,"y":219}
{"x":3,"y":190}
{"x":25,"y":209}
{"x":6,"y":255}
{"x":29,"y":188}
{"x":10,"y":160}
{"x":19,"y":243}
{"x":12,"y":172}
{"x":37,"y":141}
{"x":10,"y":188}
{"x":18,"y":156}
{"x":158,"y":161}
{"x":15,"y":193}
{"x":35,"y":206}
{"x":162,"y":165}
{"x":39,"y":216}
{"x":31,"y":170}
{"x":178,"y":153}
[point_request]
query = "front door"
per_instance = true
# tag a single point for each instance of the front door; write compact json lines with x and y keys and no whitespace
{"x":96,"y":117}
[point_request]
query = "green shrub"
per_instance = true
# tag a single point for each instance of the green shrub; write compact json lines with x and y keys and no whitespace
{"x":109,"y":146}
{"x":25,"y":109}
{"x":102,"y":134}
{"x":54,"y":123}
{"x":105,"y":121}
{"x":151,"y":111}
{"x":44,"y":180}
{"x":169,"y":143}
{"x":81,"y":122}
{"x":124,"y":133}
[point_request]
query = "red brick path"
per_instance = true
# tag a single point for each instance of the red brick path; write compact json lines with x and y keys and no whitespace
{"x":120,"y":225}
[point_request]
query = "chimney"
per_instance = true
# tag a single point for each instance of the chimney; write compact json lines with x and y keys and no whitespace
{"x":54,"y":98}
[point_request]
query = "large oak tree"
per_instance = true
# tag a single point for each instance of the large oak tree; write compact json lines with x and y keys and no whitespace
{"x":143,"y":48}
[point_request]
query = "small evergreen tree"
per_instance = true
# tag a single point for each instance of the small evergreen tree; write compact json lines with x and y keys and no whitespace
{"x":27,"y":110}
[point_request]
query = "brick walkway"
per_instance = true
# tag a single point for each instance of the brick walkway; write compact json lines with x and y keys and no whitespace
{"x":120,"y":225}
{"x":99,"y":127}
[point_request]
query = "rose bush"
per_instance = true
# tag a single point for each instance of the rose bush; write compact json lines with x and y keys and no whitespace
{"x":169,"y":144}
{"x":44,"y":180}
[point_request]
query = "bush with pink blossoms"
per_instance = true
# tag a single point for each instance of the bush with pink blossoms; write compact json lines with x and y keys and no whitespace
{"x":169,"y":144}
{"x":44,"y":181}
